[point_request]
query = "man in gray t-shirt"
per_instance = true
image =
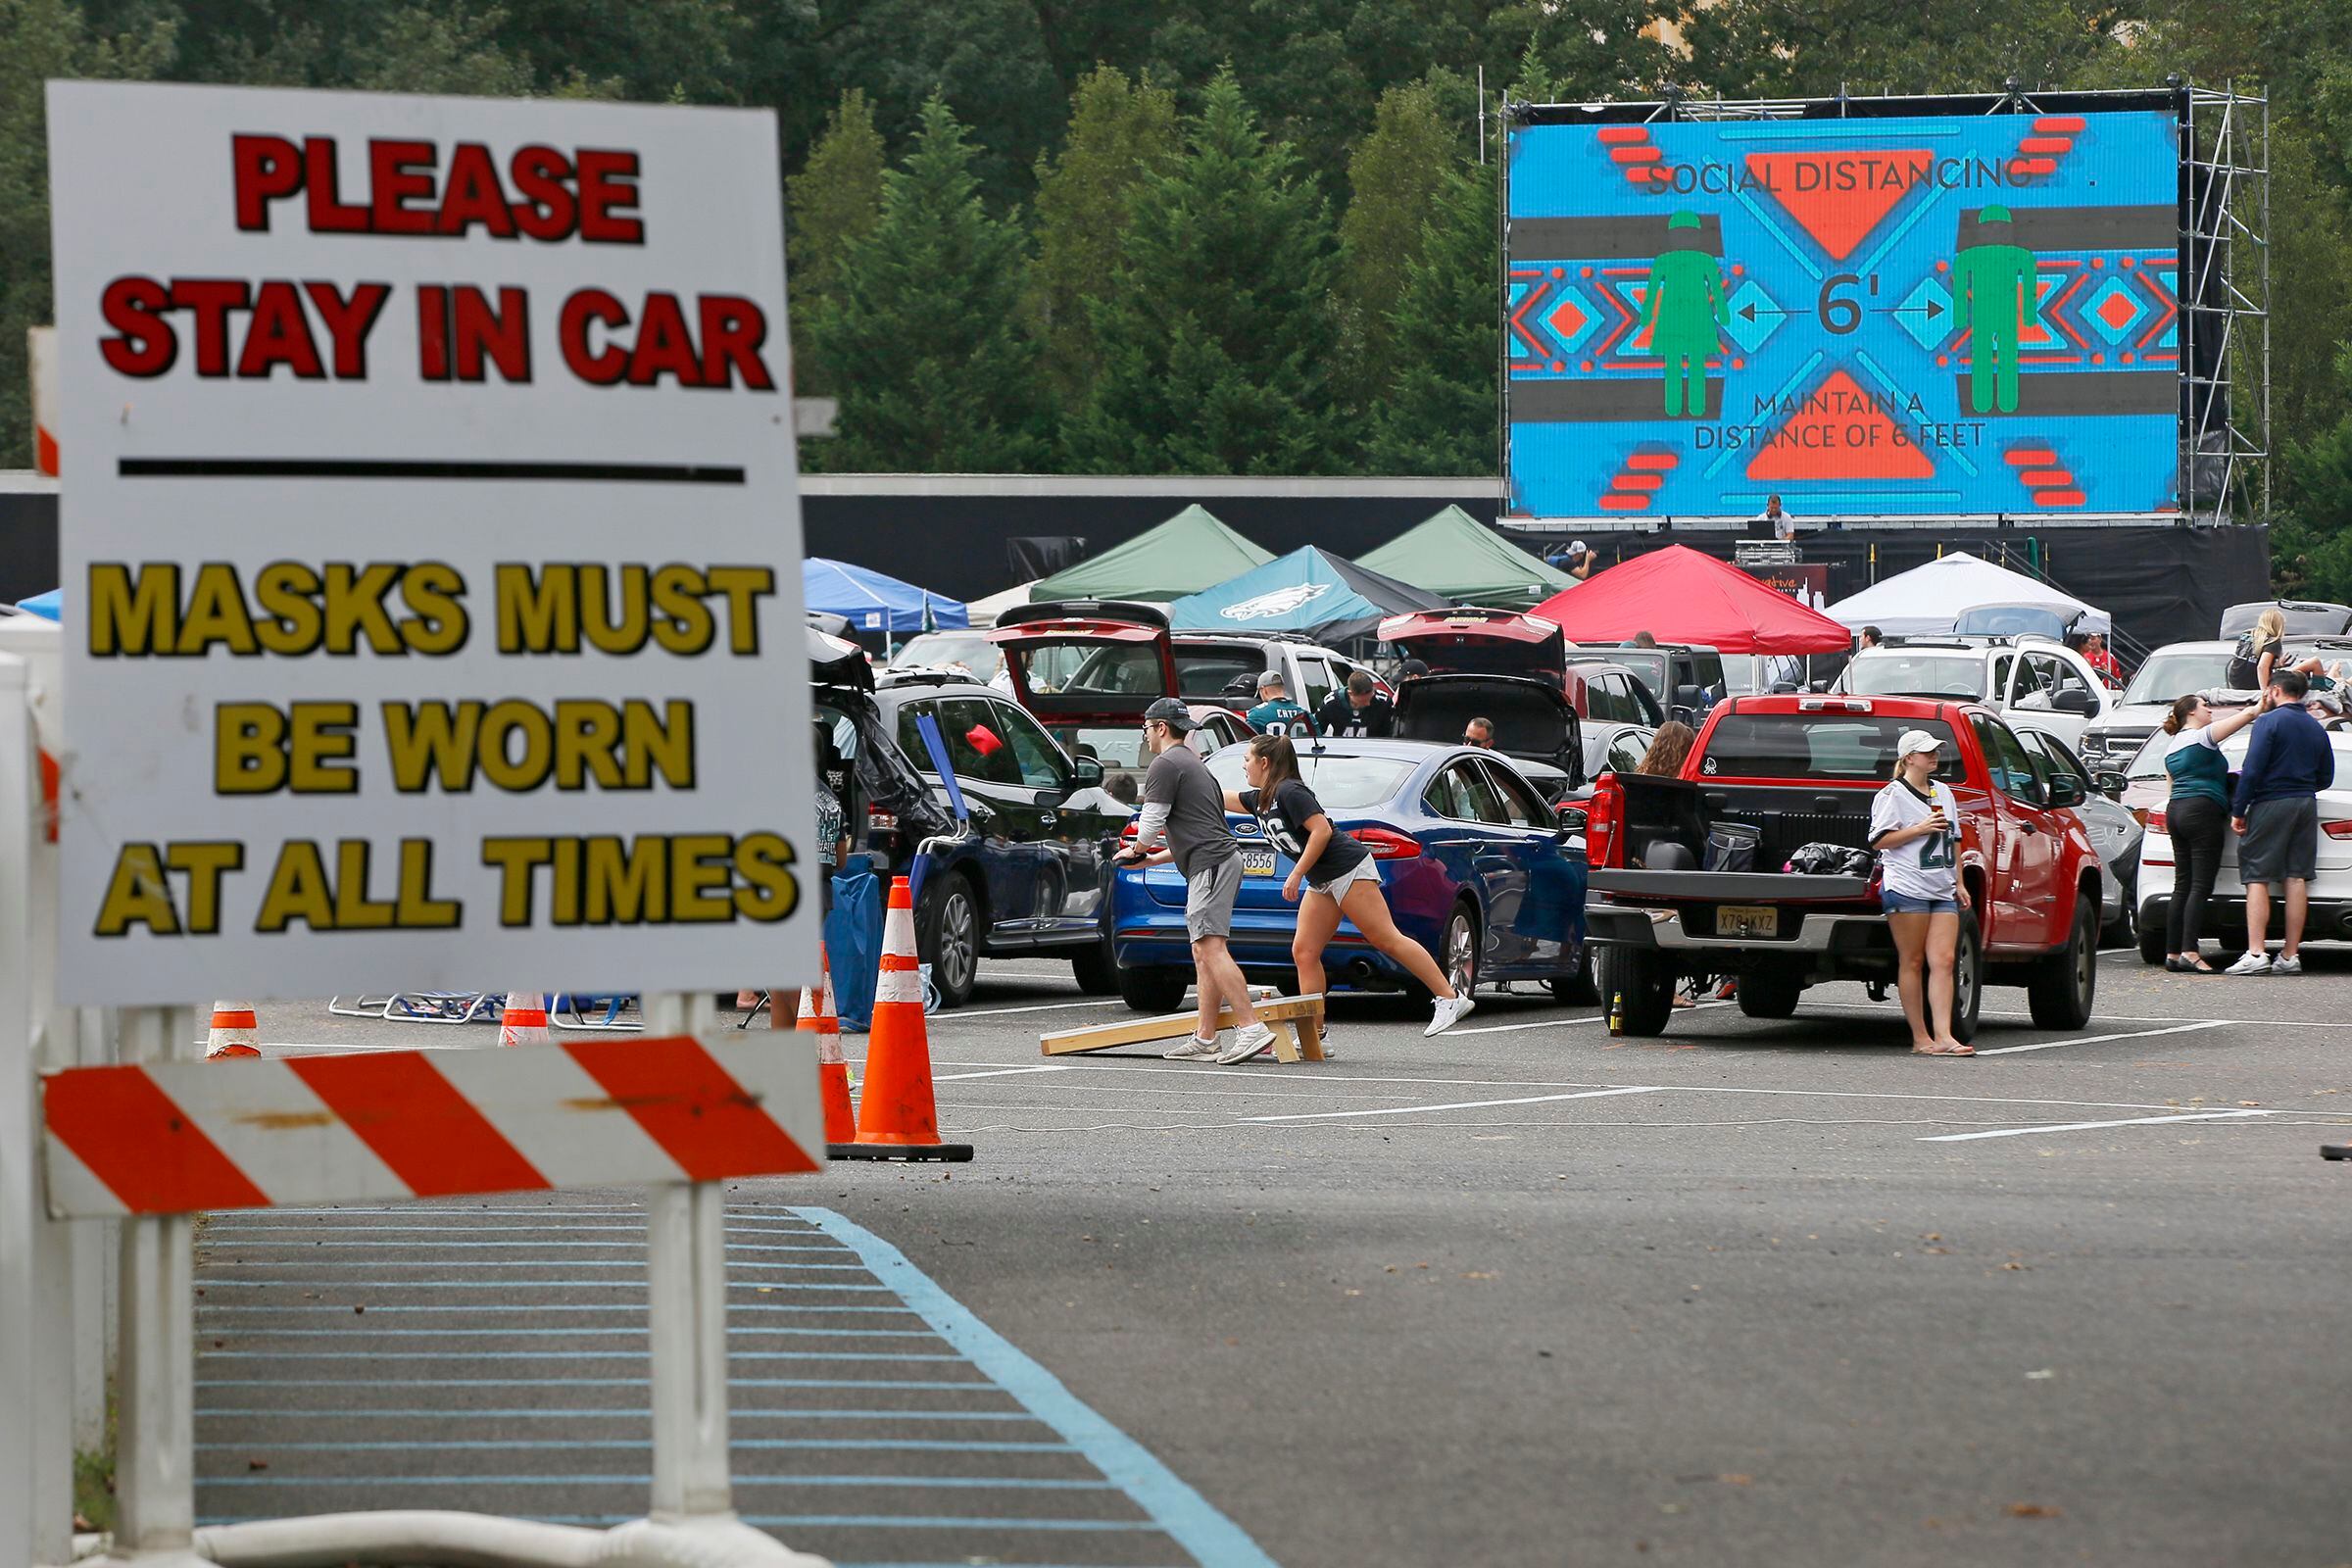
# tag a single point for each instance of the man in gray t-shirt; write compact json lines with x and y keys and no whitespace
{"x":1182,"y":801}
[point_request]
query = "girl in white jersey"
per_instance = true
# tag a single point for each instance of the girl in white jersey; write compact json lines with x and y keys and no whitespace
{"x":1915,"y":826}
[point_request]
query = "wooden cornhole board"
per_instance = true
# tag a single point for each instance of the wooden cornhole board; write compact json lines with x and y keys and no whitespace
{"x":1297,"y":1023}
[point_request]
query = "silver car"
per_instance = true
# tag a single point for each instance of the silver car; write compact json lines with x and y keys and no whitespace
{"x":2115,"y":832}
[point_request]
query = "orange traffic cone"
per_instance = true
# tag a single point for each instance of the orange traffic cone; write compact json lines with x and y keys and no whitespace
{"x":896,"y":1119}
{"x":525,"y":1020}
{"x":818,"y":1018}
{"x":234,"y":1032}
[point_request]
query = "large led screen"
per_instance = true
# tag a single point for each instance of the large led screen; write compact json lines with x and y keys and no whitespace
{"x":1917,"y":316}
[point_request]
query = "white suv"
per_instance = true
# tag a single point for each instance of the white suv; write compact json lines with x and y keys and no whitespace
{"x":2036,"y":682}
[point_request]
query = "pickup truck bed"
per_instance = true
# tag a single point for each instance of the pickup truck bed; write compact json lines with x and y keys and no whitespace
{"x":1679,"y":811}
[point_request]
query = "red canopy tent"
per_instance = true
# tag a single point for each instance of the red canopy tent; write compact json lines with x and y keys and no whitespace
{"x":1681,"y":595}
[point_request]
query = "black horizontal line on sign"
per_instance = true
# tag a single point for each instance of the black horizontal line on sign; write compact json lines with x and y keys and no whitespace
{"x":421,"y":469}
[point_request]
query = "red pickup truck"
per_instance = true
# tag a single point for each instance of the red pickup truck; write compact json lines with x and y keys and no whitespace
{"x":1790,"y":770}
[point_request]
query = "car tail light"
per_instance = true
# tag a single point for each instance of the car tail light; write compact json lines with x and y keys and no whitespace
{"x":1386,"y":844}
{"x":1601,"y":823}
{"x":2155,"y":821}
{"x":1833,"y":705}
{"x":2337,"y":830}
{"x":880,"y":821}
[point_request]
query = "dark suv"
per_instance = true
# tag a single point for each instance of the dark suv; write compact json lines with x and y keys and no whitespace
{"x":1030,"y":876}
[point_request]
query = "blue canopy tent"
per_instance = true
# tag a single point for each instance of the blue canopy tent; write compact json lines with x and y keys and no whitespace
{"x":874,"y":602}
{"x":1327,"y":596}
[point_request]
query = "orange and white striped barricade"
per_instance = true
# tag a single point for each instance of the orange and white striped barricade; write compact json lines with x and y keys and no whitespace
{"x":155,"y":1141}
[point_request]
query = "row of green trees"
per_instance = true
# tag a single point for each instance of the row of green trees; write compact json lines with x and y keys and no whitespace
{"x":1178,"y":298}
{"x":1216,"y":235}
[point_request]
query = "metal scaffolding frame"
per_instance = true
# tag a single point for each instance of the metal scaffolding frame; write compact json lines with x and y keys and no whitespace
{"x":2225,"y":418}
{"x":2226,"y":304}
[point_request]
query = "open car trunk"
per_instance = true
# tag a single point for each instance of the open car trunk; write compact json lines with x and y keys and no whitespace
{"x":1531,"y":718}
{"x":1479,"y":641}
{"x":1091,"y":661}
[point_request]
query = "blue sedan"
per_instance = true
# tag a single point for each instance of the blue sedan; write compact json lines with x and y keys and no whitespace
{"x":1474,"y":866}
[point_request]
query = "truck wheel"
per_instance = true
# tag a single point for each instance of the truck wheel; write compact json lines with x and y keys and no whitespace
{"x":2155,"y":916}
{"x":2059,"y":995}
{"x":1157,"y":990}
{"x":1579,"y":987}
{"x":1770,"y":993}
{"x":1968,"y":978}
{"x":1637,"y":985}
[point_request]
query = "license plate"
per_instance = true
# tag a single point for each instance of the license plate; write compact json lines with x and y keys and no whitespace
{"x":1258,"y":863}
{"x":1747,"y":920}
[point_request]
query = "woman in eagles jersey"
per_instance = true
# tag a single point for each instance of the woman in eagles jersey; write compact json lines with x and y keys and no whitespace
{"x":1339,"y":874}
{"x":1915,"y":826}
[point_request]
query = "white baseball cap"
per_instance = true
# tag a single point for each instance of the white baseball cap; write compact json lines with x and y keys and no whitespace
{"x":1917,"y":740}
{"x":1575,"y":547}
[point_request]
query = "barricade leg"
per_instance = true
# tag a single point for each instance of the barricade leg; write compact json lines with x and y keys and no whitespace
{"x":94,"y":1244}
{"x":155,"y":1482}
{"x":30,"y":1516}
{"x":693,"y":1514}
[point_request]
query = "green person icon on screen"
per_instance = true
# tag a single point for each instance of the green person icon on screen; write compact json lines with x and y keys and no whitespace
{"x":1994,"y":281}
{"x":1685,"y":308}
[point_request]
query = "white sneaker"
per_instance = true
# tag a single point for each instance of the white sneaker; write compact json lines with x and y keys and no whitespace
{"x":2282,"y":964}
{"x":2254,"y":963}
{"x":1449,"y":1011}
{"x":1254,"y":1040}
{"x":1194,"y":1049}
{"x":1328,"y":1054}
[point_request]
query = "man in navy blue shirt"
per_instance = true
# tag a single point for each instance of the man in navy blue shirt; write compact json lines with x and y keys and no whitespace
{"x":2276,"y":815}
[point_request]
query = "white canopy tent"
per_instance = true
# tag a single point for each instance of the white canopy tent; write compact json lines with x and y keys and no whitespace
{"x":1929,"y":601}
{"x":984,"y":612}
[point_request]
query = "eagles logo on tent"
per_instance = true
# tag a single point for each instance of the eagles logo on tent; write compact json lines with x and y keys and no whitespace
{"x":1281,"y":601}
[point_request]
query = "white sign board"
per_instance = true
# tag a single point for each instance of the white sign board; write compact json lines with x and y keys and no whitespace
{"x":431,"y":559}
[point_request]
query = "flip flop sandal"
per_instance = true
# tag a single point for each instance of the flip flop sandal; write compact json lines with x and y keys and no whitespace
{"x":1936,"y":1051}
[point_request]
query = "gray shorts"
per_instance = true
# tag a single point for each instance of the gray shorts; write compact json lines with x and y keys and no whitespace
{"x":1209,"y":898}
{"x":2281,"y":841}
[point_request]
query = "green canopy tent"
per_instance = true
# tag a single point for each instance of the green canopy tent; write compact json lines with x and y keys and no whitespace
{"x":1461,"y":560}
{"x":1184,"y":555}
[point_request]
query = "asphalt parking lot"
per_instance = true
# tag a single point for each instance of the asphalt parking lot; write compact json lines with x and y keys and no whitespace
{"x":1756,"y":1291}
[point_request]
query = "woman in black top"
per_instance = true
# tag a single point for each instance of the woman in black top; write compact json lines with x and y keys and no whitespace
{"x":1340,"y":875}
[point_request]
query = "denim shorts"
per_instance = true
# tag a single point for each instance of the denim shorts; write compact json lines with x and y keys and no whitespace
{"x":1911,"y":904}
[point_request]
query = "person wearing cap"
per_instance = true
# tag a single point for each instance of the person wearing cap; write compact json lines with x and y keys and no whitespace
{"x":1275,"y":713}
{"x":1914,"y":825}
{"x":1185,"y":802}
{"x":1577,"y":560}
{"x":1357,"y":711}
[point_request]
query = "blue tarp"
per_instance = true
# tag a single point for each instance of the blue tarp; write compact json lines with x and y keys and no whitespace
{"x":1328,"y":597}
{"x":871,"y":602}
{"x":49,"y":606}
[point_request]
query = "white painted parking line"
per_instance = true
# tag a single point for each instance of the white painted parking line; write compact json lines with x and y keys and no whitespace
{"x":1000,"y":1072}
{"x":1040,"y":1007}
{"x":1559,"y":1023}
{"x":1459,"y":1104}
{"x":2092,"y":1126}
{"x":2100,"y":1040}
